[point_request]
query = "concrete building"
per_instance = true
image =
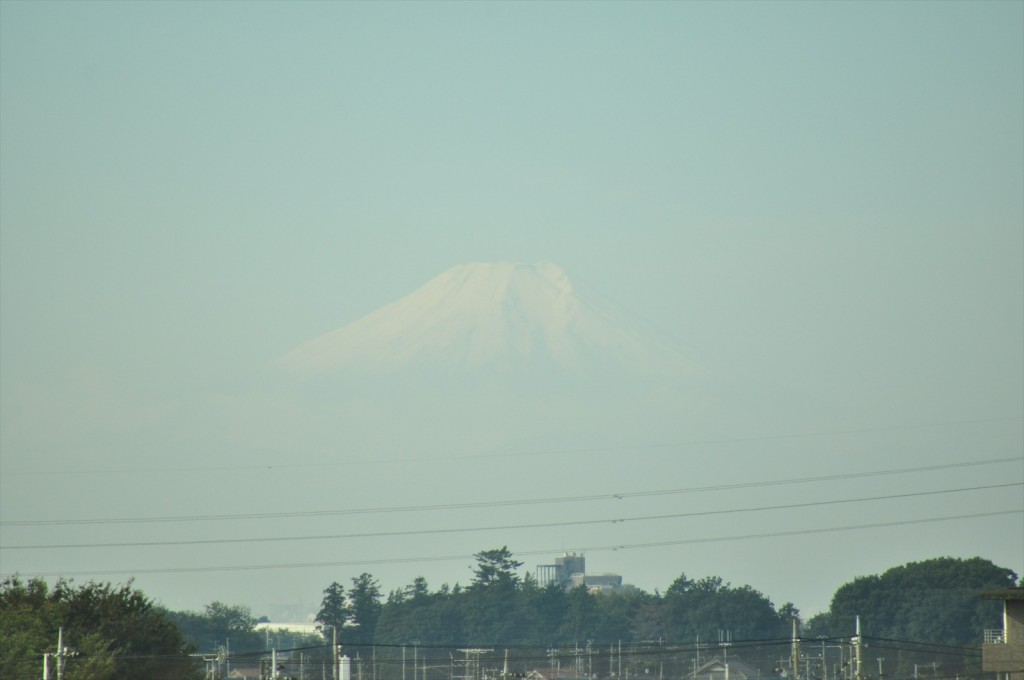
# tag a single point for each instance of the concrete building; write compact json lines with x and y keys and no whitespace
{"x":570,"y":571}
{"x":1003,"y":649}
{"x":562,"y":572}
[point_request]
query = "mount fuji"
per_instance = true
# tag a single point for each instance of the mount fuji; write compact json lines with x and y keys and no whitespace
{"x":493,"y":317}
{"x":485,"y":357}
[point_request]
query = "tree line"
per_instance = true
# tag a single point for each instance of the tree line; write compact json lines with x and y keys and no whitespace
{"x":115,"y":632}
{"x":933,"y":601}
{"x":498,"y":607}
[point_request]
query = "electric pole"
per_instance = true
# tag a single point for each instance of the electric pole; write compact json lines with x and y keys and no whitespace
{"x":795,"y":661}
{"x":857,"y":650}
{"x":334,"y":653}
{"x":62,"y":653}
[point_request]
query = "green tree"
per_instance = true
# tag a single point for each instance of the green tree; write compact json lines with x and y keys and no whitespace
{"x":364,"y":599}
{"x":218,"y":624}
{"x":649,"y":621}
{"x":580,"y":621}
{"x":334,"y":610}
{"x":489,"y":605}
{"x":418,"y":590}
{"x":231,"y":618}
{"x":117,"y":632}
{"x":495,"y":567}
{"x":818,"y":626}
{"x":541,"y":611}
{"x":930,"y":601}
{"x":703,"y":608}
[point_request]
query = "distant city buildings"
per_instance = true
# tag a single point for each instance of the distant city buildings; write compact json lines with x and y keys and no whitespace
{"x":570,"y":571}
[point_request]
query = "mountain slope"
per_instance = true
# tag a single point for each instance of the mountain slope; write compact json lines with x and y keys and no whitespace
{"x":502,"y":316}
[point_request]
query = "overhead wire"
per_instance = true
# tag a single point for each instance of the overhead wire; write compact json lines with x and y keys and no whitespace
{"x":532,"y":652}
{"x":511,"y":454}
{"x":541,"y":525}
{"x":504,"y":503}
{"x":447,"y":558}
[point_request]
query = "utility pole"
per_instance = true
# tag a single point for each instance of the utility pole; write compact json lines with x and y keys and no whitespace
{"x":795,"y":661}
{"x":857,"y":650}
{"x":60,"y":653}
{"x":334,"y":653}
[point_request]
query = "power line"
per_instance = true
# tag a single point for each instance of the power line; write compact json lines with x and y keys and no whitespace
{"x":515,"y":454}
{"x":447,"y":558}
{"x":418,"y":532}
{"x":532,"y":652}
{"x":504,"y":503}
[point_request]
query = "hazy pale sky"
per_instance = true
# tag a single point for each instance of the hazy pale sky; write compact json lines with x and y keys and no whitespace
{"x":823,"y":203}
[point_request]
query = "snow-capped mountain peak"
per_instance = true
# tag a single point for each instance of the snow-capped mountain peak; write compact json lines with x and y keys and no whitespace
{"x":498,"y":315}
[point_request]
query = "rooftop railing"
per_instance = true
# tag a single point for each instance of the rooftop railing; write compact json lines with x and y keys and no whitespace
{"x":994,"y":636}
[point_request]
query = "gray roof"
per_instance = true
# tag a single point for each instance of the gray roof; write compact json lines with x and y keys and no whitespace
{"x":1004,"y":594}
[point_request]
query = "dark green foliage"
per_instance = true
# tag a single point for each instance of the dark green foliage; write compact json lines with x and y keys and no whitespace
{"x":702,"y":609}
{"x":931,"y":601}
{"x":220,"y":625}
{"x":579,"y":622}
{"x":354,"y":616}
{"x":364,"y":599}
{"x":334,"y":610}
{"x":495,"y":568}
{"x":117,"y":632}
{"x":500,"y":608}
{"x":649,"y":621}
{"x":490,"y":605}
{"x":546,"y":609}
{"x":639,"y":634}
{"x":818,"y":626}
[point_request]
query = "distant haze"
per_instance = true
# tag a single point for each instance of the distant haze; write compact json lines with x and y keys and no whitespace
{"x":489,"y":353}
{"x":491,"y":316}
{"x":290,"y":292}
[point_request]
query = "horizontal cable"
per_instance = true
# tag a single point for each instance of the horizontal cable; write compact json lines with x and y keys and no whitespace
{"x":515,"y":454}
{"x":503,"y":503}
{"x":418,"y":532}
{"x":547,"y":551}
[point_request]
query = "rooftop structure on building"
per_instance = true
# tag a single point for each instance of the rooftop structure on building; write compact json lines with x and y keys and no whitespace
{"x":570,"y":571}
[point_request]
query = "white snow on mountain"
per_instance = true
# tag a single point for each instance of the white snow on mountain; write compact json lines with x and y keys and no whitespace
{"x":490,"y":315}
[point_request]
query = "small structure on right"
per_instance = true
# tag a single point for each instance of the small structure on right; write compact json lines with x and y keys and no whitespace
{"x":1003,"y":650}
{"x":717,"y":669}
